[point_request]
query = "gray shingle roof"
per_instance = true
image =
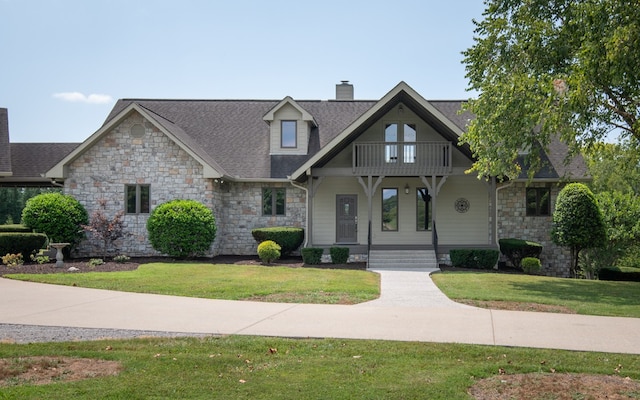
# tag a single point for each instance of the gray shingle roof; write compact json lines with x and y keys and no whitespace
{"x":234,"y":134}
{"x":31,"y":160}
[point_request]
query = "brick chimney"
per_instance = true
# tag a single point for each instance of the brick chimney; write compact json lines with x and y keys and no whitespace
{"x":344,"y":91}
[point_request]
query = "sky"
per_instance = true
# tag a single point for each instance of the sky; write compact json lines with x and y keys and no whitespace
{"x":64,"y":63}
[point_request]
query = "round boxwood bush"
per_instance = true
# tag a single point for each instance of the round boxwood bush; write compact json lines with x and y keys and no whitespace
{"x":531,"y":265}
{"x":268,"y":251}
{"x":181,"y":228}
{"x":57,"y":215}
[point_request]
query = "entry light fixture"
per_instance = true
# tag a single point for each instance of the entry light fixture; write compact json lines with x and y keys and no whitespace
{"x":406,"y":188}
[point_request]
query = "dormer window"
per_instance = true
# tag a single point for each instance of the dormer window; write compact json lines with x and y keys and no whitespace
{"x":290,"y":128}
{"x":288,"y":136}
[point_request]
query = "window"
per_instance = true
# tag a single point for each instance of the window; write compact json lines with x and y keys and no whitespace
{"x":423,"y":209}
{"x":395,"y":133}
{"x":409,"y":131}
{"x":138,"y":199}
{"x":288,"y":134}
{"x":273,"y":201}
{"x":391,"y":136}
{"x":390,"y":209}
{"x":538,"y":201}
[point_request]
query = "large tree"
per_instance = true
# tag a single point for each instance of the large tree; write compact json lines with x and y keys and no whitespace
{"x":551,"y":67}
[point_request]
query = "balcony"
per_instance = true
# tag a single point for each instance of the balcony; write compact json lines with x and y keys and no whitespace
{"x":402,"y":158}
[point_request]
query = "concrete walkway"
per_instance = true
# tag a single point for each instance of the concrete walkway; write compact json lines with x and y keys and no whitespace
{"x":410,"y":288}
{"x":425,"y":316}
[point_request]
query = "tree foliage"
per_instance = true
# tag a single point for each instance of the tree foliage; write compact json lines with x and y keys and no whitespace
{"x":614,"y":167}
{"x":577,"y":221}
{"x":13,"y":200}
{"x":545,"y":68}
{"x":181,"y":228}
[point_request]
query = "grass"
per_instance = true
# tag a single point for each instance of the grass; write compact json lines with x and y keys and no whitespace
{"x":238,"y":367}
{"x":582,"y":296}
{"x":230,"y":282}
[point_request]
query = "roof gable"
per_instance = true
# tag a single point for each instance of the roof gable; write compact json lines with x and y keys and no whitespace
{"x":270,"y":116}
{"x":174,"y":132}
{"x":404,"y":94}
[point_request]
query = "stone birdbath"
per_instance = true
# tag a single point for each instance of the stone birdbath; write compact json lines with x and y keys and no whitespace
{"x":59,"y":255}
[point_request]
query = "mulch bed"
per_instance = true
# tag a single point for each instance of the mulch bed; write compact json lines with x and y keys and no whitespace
{"x":82,"y":264}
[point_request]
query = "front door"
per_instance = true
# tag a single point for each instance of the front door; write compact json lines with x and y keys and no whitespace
{"x":346,"y":218}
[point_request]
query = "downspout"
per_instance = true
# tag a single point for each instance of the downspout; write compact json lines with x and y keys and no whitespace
{"x":54,"y":183}
{"x":306,"y":206}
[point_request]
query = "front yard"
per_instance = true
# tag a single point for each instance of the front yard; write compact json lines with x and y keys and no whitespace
{"x":540,"y":293}
{"x":227,"y":282}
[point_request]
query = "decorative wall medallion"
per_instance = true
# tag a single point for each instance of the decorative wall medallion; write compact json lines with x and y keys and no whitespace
{"x":462,"y":205}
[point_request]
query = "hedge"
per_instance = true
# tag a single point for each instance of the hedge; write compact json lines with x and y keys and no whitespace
{"x":24,"y":243}
{"x":14,"y":228}
{"x":517,"y":249}
{"x":289,"y":238}
{"x":628,"y":274}
{"x":312,"y":255}
{"x":474,"y":258}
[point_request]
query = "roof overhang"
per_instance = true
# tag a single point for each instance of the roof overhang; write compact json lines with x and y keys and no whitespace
{"x":402,"y":93}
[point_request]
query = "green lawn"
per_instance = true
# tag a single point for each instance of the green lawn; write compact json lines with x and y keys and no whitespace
{"x":237,"y":367}
{"x":230,"y":282}
{"x":582,"y":296}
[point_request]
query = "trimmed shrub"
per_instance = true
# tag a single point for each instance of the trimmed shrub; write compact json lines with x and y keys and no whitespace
{"x":24,"y":243}
{"x":181,"y":228}
{"x":312,"y":255}
{"x":289,"y":238}
{"x":619,"y":274}
{"x":577,"y":222}
{"x":339,"y":255}
{"x":517,"y":249}
{"x":268,"y":251}
{"x":474,"y":258}
{"x":58,"y":216}
{"x":14,"y":228}
{"x":531,"y":265}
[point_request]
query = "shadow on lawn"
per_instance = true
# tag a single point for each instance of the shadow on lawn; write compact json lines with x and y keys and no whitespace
{"x":584,"y":291}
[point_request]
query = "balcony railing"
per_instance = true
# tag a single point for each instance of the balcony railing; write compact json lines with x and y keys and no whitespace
{"x":402,"y":158}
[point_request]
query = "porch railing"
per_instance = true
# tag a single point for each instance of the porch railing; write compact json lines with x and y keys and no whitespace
{"x":402,"y":158}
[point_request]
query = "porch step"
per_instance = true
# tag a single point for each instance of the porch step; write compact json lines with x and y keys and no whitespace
{"x":400,"y":259}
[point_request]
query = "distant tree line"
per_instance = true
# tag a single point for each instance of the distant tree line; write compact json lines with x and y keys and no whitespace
{"x":13,"y":200}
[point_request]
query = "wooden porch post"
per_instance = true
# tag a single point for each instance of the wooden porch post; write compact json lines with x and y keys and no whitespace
{"x":434,"y":189}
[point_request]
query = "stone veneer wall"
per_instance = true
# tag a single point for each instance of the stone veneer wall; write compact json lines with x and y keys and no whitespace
{"x":514,"y":223}
{"x":242,"y":212}
{"x":119,"y":159}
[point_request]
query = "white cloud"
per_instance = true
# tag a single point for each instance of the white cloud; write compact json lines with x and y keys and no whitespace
{"x":77,"y":97}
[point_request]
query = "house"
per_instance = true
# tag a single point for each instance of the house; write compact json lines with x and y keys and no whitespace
{"x":380,"y":177}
